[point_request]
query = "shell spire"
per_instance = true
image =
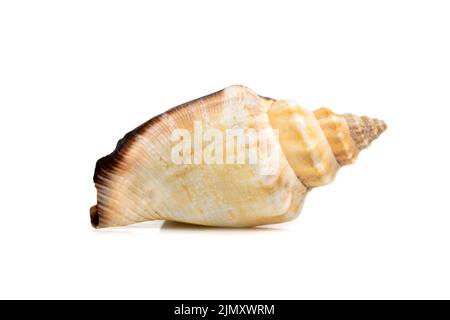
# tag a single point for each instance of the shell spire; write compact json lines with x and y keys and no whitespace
{"x":364,"y":130}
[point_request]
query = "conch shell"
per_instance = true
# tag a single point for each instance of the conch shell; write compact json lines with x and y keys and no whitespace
{"x":139,"y":181}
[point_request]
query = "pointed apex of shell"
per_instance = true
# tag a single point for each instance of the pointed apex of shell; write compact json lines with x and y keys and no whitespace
{"x":364,"y":130}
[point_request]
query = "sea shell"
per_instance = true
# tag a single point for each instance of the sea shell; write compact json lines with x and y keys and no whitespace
{"x":140,"y":181}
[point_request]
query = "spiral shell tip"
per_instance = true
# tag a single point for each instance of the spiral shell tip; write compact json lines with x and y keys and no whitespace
{"x":364,"y":130}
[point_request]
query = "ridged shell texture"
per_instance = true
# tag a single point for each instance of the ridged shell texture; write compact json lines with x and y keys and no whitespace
{"x":139,"y":181}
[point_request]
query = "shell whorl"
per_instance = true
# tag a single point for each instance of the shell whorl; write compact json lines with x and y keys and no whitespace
{"x":318,"y":143}
{"x":363,"y":129}
{"x":348,"y":134}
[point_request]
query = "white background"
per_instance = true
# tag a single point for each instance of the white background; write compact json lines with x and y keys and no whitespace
{"x":75,"y":76}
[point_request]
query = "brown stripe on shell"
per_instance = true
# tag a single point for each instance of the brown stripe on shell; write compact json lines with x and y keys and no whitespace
{"x":95,"y":219}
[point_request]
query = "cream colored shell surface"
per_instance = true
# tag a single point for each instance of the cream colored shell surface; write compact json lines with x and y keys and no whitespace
{"x":139,"y":181}
{"x":146,"y":185}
